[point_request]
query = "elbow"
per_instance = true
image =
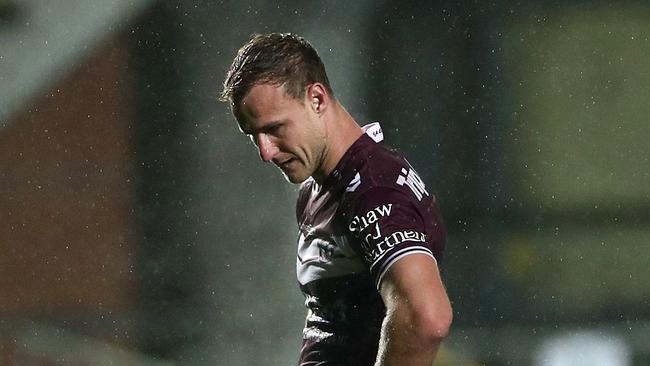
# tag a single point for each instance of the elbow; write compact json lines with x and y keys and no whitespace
{"x":441,"y":327}
{"x":435,"y":327}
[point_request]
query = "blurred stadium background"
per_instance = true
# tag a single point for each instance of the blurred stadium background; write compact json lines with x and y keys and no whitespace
{"x":137,"y":226}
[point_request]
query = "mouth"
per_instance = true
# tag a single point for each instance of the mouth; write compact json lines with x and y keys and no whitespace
{"x":285,"y":163}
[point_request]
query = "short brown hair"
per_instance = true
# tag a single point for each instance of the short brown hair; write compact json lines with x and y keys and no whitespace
{"x":274,"y":58}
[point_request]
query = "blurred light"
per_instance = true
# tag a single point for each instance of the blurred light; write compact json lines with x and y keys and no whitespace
{"x":584,"y":348}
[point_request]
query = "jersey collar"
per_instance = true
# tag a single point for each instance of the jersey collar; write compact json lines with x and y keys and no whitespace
{"x":347,"y":167}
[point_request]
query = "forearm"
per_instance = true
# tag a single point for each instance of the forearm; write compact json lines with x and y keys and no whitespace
{"x":404,"y":343}
{"x":418,"y":313}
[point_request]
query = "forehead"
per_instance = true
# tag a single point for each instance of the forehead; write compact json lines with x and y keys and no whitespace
{"x":265,"y":103}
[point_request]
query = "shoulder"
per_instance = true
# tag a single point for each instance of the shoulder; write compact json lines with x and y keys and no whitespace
{"x":386,"y":182}
{"x":391,"y":214}
{"x":383,"y":169}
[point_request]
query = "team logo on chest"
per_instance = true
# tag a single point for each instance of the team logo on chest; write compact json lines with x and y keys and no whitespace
{"x":322,"y":254}
{"x":316,"y":247}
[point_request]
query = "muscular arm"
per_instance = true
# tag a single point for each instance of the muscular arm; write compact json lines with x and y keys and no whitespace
{"x":418,"y":313}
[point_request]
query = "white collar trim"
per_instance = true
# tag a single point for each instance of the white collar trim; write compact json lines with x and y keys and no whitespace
{"x":374,"y":131}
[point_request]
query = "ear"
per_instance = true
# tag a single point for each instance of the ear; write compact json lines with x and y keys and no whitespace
{"x":317,"y":97}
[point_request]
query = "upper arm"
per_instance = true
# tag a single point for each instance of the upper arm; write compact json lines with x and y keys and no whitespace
{"x":413,"y":293}
{"x":388,"y":226}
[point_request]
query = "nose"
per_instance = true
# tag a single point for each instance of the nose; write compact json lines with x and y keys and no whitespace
{"x":266,"y":147}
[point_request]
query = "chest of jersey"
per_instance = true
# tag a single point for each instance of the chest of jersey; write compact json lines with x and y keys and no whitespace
{"x":324,"y":249}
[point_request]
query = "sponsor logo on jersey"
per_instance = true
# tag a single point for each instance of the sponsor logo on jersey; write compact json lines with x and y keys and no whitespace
{"x":391,"y":241}
{"x":373,"y":234}
{"x":361,"y":222}
{"x":413,"y":181}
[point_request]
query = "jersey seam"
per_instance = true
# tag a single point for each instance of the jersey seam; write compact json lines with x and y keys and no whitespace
{"x":419,"y":249}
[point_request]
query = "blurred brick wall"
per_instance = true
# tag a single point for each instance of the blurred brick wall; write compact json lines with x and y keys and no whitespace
{"x":66,"y":195}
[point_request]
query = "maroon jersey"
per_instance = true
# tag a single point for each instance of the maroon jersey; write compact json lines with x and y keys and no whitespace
{"x":372,"y":210}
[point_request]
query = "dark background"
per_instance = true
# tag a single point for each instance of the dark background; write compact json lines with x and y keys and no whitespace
{"x":135,"y":217}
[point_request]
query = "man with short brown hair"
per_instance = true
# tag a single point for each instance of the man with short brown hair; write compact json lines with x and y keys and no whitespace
{"x":371,"y":234}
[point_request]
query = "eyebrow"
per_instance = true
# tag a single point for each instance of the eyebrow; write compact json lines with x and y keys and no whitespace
{"x":267,"y":126}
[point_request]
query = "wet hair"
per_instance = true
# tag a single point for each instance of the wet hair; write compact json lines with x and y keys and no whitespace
{"x":276,"y":59}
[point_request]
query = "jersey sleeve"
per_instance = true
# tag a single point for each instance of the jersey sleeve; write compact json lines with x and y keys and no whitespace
{"x":387,"y":225}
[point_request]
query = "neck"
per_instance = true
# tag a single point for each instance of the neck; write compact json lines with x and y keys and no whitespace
{"x":342,"y":132}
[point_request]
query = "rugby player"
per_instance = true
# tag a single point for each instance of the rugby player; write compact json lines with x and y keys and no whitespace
{"x":370,"y":233}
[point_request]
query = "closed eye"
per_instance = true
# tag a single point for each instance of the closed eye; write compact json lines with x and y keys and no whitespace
{"x":273,"y":129}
